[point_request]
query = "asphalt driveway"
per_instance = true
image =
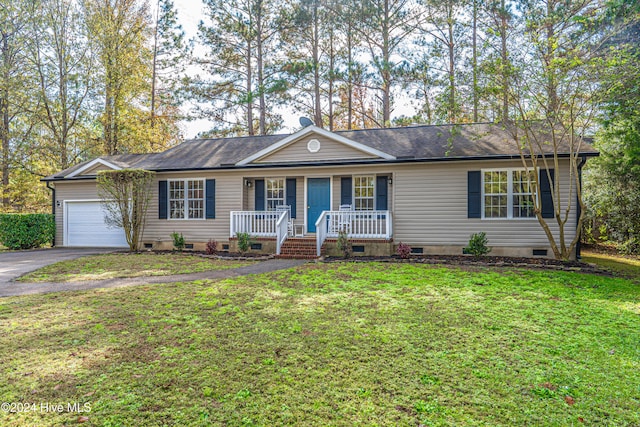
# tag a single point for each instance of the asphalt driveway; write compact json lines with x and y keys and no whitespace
{"x":8,"y":289}
{"x":15,"y":264}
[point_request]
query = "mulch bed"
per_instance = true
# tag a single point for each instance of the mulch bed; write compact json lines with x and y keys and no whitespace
{"x":486,"y":261}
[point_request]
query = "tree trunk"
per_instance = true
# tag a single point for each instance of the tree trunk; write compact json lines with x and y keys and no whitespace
{"x":474,"y":60}
{"x":349,"y":77}
{"x":4,"y":131}
{"x":249,"y":92}
{"x":386,"y":73}
{"x":452,"y":69}
{"x":154,"y":68}
{"x":262,"y":103}
{"x":317,"y":107}
{"x":552,"y":89}
{"x":4,"y":109}
{"x":330,"y":80}
{"x":505,"y":62}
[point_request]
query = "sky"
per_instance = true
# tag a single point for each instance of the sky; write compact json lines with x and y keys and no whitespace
{"x":190,"y":12}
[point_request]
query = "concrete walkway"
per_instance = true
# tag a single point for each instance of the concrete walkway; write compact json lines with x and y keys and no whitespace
{"x":18,"y":288}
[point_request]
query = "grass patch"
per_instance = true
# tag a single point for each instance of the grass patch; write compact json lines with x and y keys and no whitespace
{"x":332,"y":344}
{"x":99,"y":267}
{"x":624,"y":266}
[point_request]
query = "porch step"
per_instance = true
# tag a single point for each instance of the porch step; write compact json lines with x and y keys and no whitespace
{"x":298,"y":248}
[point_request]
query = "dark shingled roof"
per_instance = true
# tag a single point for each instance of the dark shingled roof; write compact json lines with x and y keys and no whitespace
{"x":479,"y":140}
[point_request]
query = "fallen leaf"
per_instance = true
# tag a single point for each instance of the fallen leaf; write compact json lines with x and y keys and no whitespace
{"x":83,"y":419}
{"x":137,"y":376}
{"x":26,"y":374}
{"x":612,"y":351}
{"x":34,"y":391}
{"x":57,"y":387}
{"x":570,"y":400}
{"x":91,"y":393}
{"x":581,"y":419}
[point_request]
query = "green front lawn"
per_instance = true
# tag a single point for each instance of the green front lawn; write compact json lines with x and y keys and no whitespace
{"x":98,"y":267}
{"x":624,"y":266}
{"x":332,"y":344}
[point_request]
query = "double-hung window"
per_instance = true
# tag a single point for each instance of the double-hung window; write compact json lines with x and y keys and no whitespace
{"x":364,"y":193}
{"x":186,"y":199}
{"x":275,"y":193}
{"x":507,"y":194}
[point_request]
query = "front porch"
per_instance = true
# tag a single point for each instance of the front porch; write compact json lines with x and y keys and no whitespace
{"x":361,"y":225}
{"x":315,"y":207}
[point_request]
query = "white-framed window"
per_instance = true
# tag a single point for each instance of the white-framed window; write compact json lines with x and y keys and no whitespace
{"x":186,"y":199}
{"x":507,"y":194}
{"x":274,"y":188}
{"x":364,"y":192}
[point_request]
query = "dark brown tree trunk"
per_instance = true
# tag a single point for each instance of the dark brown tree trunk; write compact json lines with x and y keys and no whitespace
{"x":474,"y":59}
{"x":4,"y":131}
{"x":505,"y":61}
{"x":317,"y":107}
{"x":386,"y":73}
{"x":154,"y":68}
{"x":262,"y":108}
{"x":452,"y":68}
{"x":349,"y":77}
{"x":250,"y":127}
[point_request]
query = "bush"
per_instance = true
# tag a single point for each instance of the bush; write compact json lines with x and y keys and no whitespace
{"x":212,"y":247}
{"x":244,"y":241}
{"x":26,"y":231}
{"x":403,"y":250}
{"x":178,"y":241}
{"x":344,"y":244}
{"x":478,"y":244}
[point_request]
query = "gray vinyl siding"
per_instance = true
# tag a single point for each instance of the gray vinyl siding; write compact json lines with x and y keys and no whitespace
{"x":94,"y":170}
{"x":229,"y":188}
{"x":70,"y":191}
{"x":336,"y":196}
{"x":431,"y":208}
{"x":329,"y":150}
{"x":428,"y":202}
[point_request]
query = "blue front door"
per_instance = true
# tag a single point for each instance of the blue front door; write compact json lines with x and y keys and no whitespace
{"x":318,"y":200}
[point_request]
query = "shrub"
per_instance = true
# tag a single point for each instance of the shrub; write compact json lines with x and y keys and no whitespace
{"x":478,"y":244}
{"x":403,"y":250}
{"x":212,"y":247}
{"x":344,"y":244}
{"x":244,"y":242}
{"x":26,"y":231}
{"x":178,"y":241}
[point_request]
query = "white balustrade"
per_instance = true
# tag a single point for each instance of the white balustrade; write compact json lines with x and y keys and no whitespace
{"x":357,"y":225}
{"x":282,"y":229}
{"x":256,"y":223}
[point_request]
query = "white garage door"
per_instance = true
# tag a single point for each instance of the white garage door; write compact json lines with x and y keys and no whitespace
{"x":85,"y":226}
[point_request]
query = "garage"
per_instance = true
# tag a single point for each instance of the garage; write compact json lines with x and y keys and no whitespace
{"x":85,"y":226}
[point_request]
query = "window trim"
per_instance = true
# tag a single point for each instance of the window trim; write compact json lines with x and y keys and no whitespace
{"x":186,"y":199}
{"x":510,"y":194}
{"x":353,"y":192}
{"x":266,"y":191}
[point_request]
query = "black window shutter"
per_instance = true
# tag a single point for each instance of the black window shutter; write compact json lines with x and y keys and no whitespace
{"x":381,"y":193}
{"x":474,"y":194}
{"x":210,"y":191}
{"x":259,"y":183}
{"x":162,"y":199}
{"x":291,"y":195}
{"x":346,"y":191}
{"x":546,"y":195}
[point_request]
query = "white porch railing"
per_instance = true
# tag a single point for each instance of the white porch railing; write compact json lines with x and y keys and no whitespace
{"x":256,"y":223}
{"x":357,"y":224}
{"x":282,"y":229}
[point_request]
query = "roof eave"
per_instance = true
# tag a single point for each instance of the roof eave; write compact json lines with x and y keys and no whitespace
{"x":335,"y":163}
